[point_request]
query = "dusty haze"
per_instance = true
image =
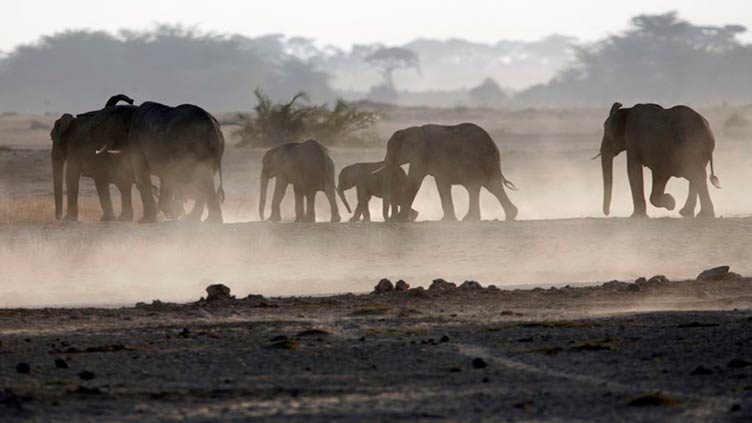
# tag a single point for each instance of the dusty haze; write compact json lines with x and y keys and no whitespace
{"x":561,"y":236}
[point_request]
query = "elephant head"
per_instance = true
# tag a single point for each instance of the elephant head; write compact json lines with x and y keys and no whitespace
{"x":611,"y":145}
{"x":348,"y":177}
{"x":405,"y":146}
{"x":60,"y":135}
{"x":273,"y":160}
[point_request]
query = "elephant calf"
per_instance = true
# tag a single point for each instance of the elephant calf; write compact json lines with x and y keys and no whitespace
{"x":675,"y":142}
{"x":309,"y":168}
{"x":369,"y":184}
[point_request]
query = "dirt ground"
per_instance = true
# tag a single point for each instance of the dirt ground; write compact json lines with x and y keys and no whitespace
{"x":472,"y":354}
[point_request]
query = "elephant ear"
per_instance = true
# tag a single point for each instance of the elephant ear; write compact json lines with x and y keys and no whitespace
{"x":615,"y":125}
{"x":57,"y":134}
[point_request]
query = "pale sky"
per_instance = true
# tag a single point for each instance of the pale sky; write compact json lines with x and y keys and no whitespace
{"x":345,"y":22}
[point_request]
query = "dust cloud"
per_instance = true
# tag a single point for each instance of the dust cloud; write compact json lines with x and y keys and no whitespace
{"x":557,"y":241}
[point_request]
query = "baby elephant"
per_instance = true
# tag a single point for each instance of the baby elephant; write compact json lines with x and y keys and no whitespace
{"x":368,"y":184}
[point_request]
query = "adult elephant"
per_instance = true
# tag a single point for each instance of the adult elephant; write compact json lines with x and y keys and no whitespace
{"x":454,"y":155}
{"x":183,"y":146}
{"x":310,"y":169}
{"x":675,"y":142}
{"x":369,"y":184}
{"x":74,"y":142}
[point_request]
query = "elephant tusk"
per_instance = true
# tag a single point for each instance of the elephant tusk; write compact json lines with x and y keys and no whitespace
{"x":114,"y":151}
{"x":378,"y":170}
{"x":102,"y":150}
{"x":596,"y":156}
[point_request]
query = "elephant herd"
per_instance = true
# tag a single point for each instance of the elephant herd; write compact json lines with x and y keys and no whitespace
{"x":126,"y":144}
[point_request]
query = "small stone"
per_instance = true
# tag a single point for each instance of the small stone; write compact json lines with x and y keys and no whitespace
{"x":640,"y":281}
{"x":444,"y":338}
{"x":714,"y":274}
{"x":418,"y":292}
{"x":23,"y":368}
{"x":87,"y":375}
{"x":384,"y":286}
{"x":737,"y":363}
{"x":61,"y":364}
{"x":441,"y":285}
{"x":479,"y":363}
{"x":471,"y":285}
{"x":701,"y":371}
{"x":218,"y":292}
{"x":657,"y":280}
{"x":401,"y":286}
{"x":492,"y":288}
{"x":734,"y":408}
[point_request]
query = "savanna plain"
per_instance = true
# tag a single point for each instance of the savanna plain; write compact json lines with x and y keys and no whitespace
{"x":111,"y":321}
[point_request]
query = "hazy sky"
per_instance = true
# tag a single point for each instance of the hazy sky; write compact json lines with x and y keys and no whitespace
{"x":345,"y":22}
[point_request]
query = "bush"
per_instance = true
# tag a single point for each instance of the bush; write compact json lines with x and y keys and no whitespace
{"x":296,"y":120}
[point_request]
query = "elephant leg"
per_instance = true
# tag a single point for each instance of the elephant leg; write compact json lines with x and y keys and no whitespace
{"x":496,"y":187}
{"x":636,"y":184}
{"x":658,"y":196}
{"x":414,"y":181}
{"x":280,"y":186}
{"x":208,"y":196}
{"x":197,"y":212}
{"x":143,"y":183}
{"x":445,"y":192}
{"x":331,"y":195}
{"x":706,"y":204}
{"x":72,"y":176}
{"x":473,"y":213}
{"x":126,"y":201}
{"x":689,"y":206}
{"x":299,"y":204}
{"x":105,"y":201}
{"x":310,"y":213}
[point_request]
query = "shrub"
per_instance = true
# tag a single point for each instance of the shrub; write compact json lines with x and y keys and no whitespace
{"x":296,"y":120}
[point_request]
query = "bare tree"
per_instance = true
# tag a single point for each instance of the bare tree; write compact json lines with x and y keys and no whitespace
{"x":388,"y":60}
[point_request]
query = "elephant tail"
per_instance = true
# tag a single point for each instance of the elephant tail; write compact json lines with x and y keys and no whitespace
{"x":507,"y":183}
{"x":341,"y":194}
{"x":220,"y":190}
{"x":714,"y":179}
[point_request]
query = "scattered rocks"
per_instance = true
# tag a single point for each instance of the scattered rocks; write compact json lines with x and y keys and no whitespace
{"x":616,"y":285}
{"x":86,"y":375}
{"x":492,"y":288}
{"x":440,"y":285}
{"x":714,"y":274}
{"x":61,"y":364}
{"x":471,"y":285}
{"x":218,"y":292}
{"x":401,"y":286}
{"x":384,"y":286}
{"x":23,"y":368}
{"x":658,"y":280}
{"x":479,"y":363}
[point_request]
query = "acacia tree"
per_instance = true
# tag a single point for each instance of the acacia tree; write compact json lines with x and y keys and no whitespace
{"x":388,"y":60}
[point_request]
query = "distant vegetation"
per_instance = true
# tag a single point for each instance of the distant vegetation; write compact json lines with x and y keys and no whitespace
{"x":297,"y":120}
{"x":661,"y":58}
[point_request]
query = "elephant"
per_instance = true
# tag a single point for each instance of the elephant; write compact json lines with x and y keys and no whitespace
{"x":369,"y":184}
{"x":461,"y":154}
{"x":675,"y":142}
{"x":183,"y":146}
{"x":309,"y":168}
{"x":73,"y":149}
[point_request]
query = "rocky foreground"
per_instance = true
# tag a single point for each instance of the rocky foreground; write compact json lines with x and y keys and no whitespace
{"x":652,"y":350}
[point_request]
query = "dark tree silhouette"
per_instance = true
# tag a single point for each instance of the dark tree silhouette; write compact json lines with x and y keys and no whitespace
{"x":388,"y":60}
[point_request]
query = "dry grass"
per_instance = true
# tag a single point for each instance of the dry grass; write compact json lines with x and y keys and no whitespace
{"x":41,"y":210}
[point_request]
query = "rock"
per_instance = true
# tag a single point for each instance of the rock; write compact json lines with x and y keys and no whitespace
{"x":401,"y":286}
{"x":384,"y":286}
{"x":640,"y":281}
{"x":254,"y":297}
{"x":471,"y":285}
{"x":61,"y":364}
{"x":440,"y":285}
{"x":714,"y":274}
{"x":737,"y":363}
{"x":218,"y":292}
{"x":23,"y":368}
{"x":479,"y":363}
{"x":444,"y":338}
{"x":418,"y":292}
{"x":492,"y":288}
{"x":735,"y":407}
{"x":701,"y":371}
{"x":87,"y":375}
{"x":658,"y":280}
{"x":616,"y":285}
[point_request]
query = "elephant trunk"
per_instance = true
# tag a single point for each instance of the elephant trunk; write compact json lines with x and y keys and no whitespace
{"x":262,"y":199}
{"x":607,"y":164}
{"x":58,"y":163}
